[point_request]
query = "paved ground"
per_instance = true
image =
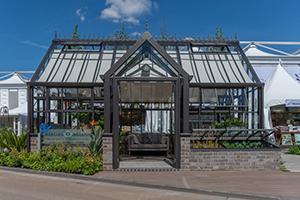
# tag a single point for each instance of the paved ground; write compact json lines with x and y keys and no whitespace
{"x":291,"y":162}
{"x":146,"y":164}
{"x":283,"y":185}
{"x":268,"y":183}
{"x":21,"y":186}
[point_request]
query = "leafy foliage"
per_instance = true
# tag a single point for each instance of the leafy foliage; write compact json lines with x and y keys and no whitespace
{"x":122,"y":143}
{"x":75,"y":34}
{"x":11,"y":141}
{"x":242,"y":145}
{"x":56,"y":158}
{"x":226,"y":144}
{"x":83,"y":117}
{"x":209,"y":144}
{"x":121,"y":33}
{"x":294,"y":150}
{"x":219,"y":35}
{"x":229,"y":122}
{"x":95,"y":145}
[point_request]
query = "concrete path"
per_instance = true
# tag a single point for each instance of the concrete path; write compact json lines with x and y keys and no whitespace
{"x":291,"y":162}
{"x":22,"y":186}
{"x":283,"y":185}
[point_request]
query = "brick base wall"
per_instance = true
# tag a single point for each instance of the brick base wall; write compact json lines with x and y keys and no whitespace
{"x":234,"y":159}
{"x":35,"y":144}
{"x":185,"y":153}
{"x":227,"y":159}
{"x":107,"y":152}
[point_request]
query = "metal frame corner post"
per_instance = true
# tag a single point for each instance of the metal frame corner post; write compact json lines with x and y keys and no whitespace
{"x":261,"y":107}
{"x":30,"y":115}
{"x":107,"y":106}
{"x":115,"y":123}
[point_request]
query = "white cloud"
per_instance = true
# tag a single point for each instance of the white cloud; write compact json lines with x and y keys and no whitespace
{"x":34,"y":44}
{"x":126,"y":10}
{"x":136,"y":34}
{"x":81,"y":12}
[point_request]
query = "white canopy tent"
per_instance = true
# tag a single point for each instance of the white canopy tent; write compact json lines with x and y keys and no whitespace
{"x":279,"y":88}
{"x":12,"y":78}
{"x":252,"y":50}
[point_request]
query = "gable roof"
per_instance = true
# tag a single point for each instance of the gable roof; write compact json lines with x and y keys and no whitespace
{"x":146,"y":38}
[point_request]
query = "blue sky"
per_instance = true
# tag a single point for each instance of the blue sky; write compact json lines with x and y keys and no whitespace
{"x":27,"y":27}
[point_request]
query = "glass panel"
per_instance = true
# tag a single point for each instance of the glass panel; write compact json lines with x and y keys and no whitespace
{"x":209,"y":97}
{"x":194,"y":94}
{"x":224,"y":108}
{"x":99,"y":92}
{"x":70,"y":104}
{"x":84,"y":92}
{"x":39,"y":92}
{"x":54,"y":104}
{"x":70,"y":92}
{"x":146,"y":92}
{"x":54,"y":92}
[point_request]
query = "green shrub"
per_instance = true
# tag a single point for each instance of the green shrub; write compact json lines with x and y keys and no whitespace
{"x":242,"y":145}
{"x":95,"y":145}
{"x":56,"y":158}
{"x":229,"y":122}
{"x":294,"y":150}
{"x":11,"y":141}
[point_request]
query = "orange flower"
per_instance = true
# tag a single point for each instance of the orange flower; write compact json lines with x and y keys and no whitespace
{"x":93,"y":122}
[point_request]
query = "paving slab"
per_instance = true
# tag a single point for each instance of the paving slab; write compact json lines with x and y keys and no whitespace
{"x":132,"y":164}
{"x":291,"y":162}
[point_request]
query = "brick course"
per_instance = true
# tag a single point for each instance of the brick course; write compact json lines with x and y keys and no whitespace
{"x":107,"y":153}
{"x":227,"y":159}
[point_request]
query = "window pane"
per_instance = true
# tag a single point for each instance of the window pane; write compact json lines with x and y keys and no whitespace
{"x":13,"y":99}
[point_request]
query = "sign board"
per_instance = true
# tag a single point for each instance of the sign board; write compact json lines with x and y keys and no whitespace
{"x":292,"y":103}
{"x":74,"y":137}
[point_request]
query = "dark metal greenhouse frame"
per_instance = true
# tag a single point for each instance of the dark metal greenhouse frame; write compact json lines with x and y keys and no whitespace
{"x":110,"y":81}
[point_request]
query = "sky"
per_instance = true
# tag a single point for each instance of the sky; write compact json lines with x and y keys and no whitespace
{"x":27,"y":27}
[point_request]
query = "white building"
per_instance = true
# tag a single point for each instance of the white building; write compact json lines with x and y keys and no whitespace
{"x":13,"y":101}
{"x":278,"y":65}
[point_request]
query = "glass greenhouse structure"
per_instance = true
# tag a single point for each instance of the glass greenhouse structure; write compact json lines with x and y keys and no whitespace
{"x":148,"y":91}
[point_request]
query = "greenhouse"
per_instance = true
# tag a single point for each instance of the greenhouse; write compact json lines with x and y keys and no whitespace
{"x":151,"y":95}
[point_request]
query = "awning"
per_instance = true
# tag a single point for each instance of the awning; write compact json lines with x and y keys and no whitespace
{"x":292,"y":103}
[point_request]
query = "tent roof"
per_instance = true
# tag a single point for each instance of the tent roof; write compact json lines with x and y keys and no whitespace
{"x":13,"y":78}
{"x":254,"y":51}
{"x":280,"y":87}
{"x":264,"y":72}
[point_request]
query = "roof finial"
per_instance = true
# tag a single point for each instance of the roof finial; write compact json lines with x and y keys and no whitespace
{"x":146,"y":25}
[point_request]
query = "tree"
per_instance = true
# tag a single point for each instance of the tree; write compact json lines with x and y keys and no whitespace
{"x":75,"y":34}
{"x":121,"y":33}
{"x":219,"y":33}
{"x":164,"y":35}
